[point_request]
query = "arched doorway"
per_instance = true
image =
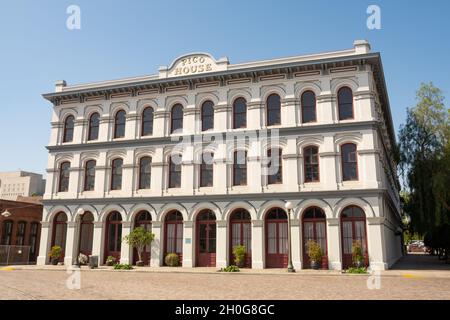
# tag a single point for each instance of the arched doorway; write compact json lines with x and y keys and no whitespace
{"x":86,"y":233}
{"x":143,"y":219}
{"x":206,"y":239}
{"x":353,"y":227}
{"x":60,"y":233}
{"x":314,"y":228}
{"x":173,"y":234}
{"x":241,"y":234}
{"x":113,"y":236}
{"x":276,"y":239}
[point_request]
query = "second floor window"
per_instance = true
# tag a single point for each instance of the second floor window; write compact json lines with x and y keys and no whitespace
{"x":176,"y":117}
{"x":119,"y":124}
{"x":175,"y":171}
{"x":145,"y":167}
{"x":94,"y":124}
{"x":311,"y":158}
{"x":147,"y":122}
{"x":68,"y":129}
{"x":273,"y":110}
{"x":349,"y":162}
{"x":345,"y":103}
{"x":207,"y":115}
{"x":240,"y":168}
{"x":239,"y":113}
{"x":308,"y":107}
{"x":116,"y":174}
{"x":64,"y":174}
{"x":274,"y":167}
{"x":89,"y":175}
{"x":206,"y":170}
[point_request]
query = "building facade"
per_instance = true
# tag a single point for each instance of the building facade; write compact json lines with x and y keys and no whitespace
{"x":20,"y":226}
{"x":207,"y":153}
{"x":20,"y":183}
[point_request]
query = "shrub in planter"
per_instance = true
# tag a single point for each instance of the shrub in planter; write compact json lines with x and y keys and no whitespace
{"x":239,"y":255}
{"x":119,"y":266}
{"x":315,"y":254}
{"x":172,"y":260}
{"x":357,"y":254}
{"x":139,"y":238}
{"x":110,"y":261}
{"x":230,"y":269}
{"x":55,"y":254}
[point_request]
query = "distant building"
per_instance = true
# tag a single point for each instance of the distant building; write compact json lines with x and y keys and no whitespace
{"x":20,"y":183}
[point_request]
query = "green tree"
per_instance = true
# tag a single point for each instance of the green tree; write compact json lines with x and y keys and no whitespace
{"x":139,"y":238}
{"x":424,"y":160}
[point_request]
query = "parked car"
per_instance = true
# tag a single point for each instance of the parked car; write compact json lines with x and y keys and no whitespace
{"x":416,"y":246}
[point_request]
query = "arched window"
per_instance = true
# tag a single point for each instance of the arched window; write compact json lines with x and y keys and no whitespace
{"x":276,"y":238}
{"x":240,"y":168}
{"x":89,"y":175}
{"x":349,"y":162}
{"x":94,"y":124}
{"x":60,"y":232}
{"x":144,"y":220}
{"x":64,"y":174}
{"x":116,"y":174}
{"x":275,"y":166}
{"x":68,"y":128}
{"x":308,"y":107}
{"x":113,"y":235}
{"x":119,"y":124}
{"x":206,"y":170}
{"x":7,"y":232}
{"x":273,"y":110}
{"x":311,"y":158}
{"x":175,"y":171}
{"x":145,"y":167}
{"x":147,"y":122}
{"x":206,"y":239}
{"x":20,"y":233}
{"x":345,"y":103}
{"x":176,"y":118}
{"x":207,"y":115}
{"x":239,"y":113}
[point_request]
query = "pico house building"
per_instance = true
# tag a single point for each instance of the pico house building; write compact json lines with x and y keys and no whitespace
{"x":185,"y":153}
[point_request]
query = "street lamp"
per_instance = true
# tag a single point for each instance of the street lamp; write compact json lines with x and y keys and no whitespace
{"x":289,"y":207}
{"x":6,"y":213}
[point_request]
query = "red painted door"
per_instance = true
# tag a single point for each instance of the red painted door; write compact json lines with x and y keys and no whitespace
{"x":173,"y":234}
{"x":314,"y":228}
{"x":143,"y":219}
{"x":240,"y":235}
{"x":113,"y":236}
{"x":206,"y":239}
{"x":353,"y":227}
{"x":86,"y":234}
{"x":276,"y":239}
{"x":59,"y":233}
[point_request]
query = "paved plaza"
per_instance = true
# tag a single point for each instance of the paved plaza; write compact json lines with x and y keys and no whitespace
{"x":416,"y":277}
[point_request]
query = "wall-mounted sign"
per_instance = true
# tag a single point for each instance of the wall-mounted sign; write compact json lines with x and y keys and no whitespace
{"x":191,"y":64}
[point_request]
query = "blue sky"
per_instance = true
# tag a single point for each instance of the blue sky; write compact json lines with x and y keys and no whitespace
{"x":129,"y":38}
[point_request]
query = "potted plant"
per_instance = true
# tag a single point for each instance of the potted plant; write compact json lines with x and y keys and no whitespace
{"x":239,"y":256}
{"x":55,"y":254}
{"x":172,"y":259}
{"x":82,"y":259}
{"x":110,"y":261}
{"x":139,"y":238}
{"x":314,"y":252}
{"x":357,"y":254}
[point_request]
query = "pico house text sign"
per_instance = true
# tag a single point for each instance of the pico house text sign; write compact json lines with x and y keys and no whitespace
{"x":191,"y":64}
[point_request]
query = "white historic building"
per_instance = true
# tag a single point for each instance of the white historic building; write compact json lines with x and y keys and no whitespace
{"x":323,"y":120}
